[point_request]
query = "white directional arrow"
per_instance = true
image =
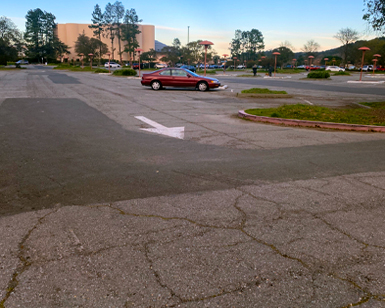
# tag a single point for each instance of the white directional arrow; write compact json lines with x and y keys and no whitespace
{"x":175,"y":132}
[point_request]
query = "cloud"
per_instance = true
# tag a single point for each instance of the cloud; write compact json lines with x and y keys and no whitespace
{"x":168,"y":28}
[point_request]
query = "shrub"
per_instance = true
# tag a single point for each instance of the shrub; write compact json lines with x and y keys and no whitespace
{"x":101,"y":70}
{"x":319,"y":74}
{"x":125,"y":72}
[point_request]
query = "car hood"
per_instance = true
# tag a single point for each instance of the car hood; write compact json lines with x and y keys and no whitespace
{"x":209,"y":78}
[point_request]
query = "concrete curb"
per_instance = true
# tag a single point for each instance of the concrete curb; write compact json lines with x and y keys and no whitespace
{"x":366,"y":82}
{"x":316,"y":124}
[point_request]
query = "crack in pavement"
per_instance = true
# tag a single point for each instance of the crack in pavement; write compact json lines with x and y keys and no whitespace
{"x":25,"y":264}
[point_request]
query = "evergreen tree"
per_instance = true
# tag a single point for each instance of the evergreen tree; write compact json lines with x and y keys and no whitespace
{"x":97,"y":25}
{"x":109,"y":17}
{"x":130,"y":29}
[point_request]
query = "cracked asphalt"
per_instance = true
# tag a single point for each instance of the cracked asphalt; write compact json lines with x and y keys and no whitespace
{"x":95,"y":212}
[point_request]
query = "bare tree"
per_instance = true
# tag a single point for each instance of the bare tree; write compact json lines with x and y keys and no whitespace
{"x":286,"y":44}
{"x":310,"y":47}
{"x":347,"y":36}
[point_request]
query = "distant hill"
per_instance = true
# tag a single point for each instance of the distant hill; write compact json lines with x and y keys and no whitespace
{"x":159,"y":45}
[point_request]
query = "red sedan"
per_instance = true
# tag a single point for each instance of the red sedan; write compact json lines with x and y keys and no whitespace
{"x":178,"y":77}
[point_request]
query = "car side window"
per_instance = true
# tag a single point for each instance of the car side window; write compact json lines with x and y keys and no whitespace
{"x":165,"y":73}
{"x":179,"y":73}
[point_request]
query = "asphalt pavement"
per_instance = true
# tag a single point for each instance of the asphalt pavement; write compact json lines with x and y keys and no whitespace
{"x":97,"y":212}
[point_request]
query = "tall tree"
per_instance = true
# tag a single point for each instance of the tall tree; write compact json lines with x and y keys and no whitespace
{"x":130,"y":29}
{"x":236,"y":44}
{"x":346,"y":36}
{"x":86,"y":45}
{"x":40,"y":34}
{"x":149,"y":56}
{"x":286,"y":55}
{"x":375,"y":14}
{"x":109,"y":17}
{"x":119,"y":14}
{"x":9,"y":31}
{"x":97,"y":25}
{"x":252,"y":41}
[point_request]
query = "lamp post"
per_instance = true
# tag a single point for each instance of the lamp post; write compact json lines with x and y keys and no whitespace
{"x":82,"y":56}
{"x":109,"y":61}
{"x":363,"y":49}
{"x":310,"y":59}
{"x":375,"y":64}
{"x":334,"y":61}
{"x":326,"y":59}
{"x":294,"y":60}
{"x":206,"y":44}
{"x":375,"y":61}
{"x":276,"y":54}
{"x":91,"y":55}
{"x":139,"y":50}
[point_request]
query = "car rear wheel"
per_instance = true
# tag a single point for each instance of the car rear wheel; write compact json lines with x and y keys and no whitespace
{"x":202,"y":86}
{"x":156,"y":85}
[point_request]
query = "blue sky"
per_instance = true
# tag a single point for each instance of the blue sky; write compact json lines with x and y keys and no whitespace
{"x":296,"y":21}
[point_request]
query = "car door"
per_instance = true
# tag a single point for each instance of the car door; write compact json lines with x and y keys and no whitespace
{"x":165,"y":77}
{"x":180,"y":78}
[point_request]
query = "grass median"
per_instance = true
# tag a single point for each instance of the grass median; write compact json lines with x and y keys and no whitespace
{"x":375,"y":115}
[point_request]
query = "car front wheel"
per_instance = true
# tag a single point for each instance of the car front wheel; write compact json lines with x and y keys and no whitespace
{"x":156,"y":85}
{"x":202,"y":86}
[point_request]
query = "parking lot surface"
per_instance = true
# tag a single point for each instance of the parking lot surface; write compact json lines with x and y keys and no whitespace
{"x":97,"y":209}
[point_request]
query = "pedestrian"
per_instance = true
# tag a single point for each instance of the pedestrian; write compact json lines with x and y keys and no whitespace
{"x":255,"y":69}
{"x":270,"y":70}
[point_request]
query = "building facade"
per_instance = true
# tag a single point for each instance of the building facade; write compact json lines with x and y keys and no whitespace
{"x":69,"y":33}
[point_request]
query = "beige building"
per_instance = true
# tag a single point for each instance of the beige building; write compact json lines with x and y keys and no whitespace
{"x":68,"y":34}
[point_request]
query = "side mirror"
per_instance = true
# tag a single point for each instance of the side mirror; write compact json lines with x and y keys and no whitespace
{"x":188,"y":75}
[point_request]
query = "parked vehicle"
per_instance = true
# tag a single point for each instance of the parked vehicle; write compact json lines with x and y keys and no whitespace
{"x":178,"y":77}
{"x":112,"y":65}
{"x":335,"y":69}
{"x":241,"y":66}
{"x":312,"y":68}
{"x":189,"y":67}
{"x":301,"y":66}
{"x":22,"y":62}
{"x":160,"y":65}
{"x":367,"y":68}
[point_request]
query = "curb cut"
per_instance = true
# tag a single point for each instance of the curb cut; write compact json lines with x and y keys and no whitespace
{"x":315,"y":124}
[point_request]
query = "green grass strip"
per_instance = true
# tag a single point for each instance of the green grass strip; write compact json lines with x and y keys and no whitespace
{"x":263,"y":91}
{"x":364,"y":116}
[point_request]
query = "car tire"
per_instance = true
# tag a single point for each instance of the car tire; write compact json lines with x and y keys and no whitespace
{"x":156,"y":85}
{"x":202,"y":86}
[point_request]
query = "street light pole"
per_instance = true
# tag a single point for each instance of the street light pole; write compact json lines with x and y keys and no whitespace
{"x":206,"y":44}
{"x":139,"y":50}
{"x":363,"y":49}
{"x":276,"y":54}
{"x":375,"y":61}
{"x":326,"y":59}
